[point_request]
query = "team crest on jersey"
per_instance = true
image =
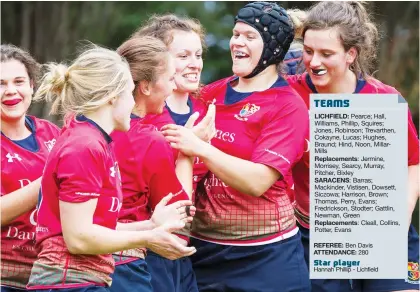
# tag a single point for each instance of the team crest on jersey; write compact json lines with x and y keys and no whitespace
{"x":246,"y":111}
{"x":50,"y":144}
{"x":413,"y":273}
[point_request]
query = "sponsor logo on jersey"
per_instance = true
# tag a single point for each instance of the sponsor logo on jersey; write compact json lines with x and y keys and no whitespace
{"x":246,"y":111}
{"x":50,"y":144}
{"x":225,"y":136}
{"x":115,"y":205}
{"x":413,"y":273}
{"x":10,"y":157}
{"x":277,"y":154}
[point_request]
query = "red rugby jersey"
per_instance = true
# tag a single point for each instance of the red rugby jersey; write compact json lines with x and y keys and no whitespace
{"x":148,"y":175}
{"x":303,"y":85}
{"x":265,"y":127}
{"x":80,"y":167}
{"x":160,"y":120}
{"x":19,"y":167}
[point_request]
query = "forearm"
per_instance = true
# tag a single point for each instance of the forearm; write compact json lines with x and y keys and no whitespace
{"x":413,"y":187}
{"x":244,"y":176}
{"x":97,"y":239}
{"x":184,"y":172}
{"x":136,"y":226}
{"x":19,"y":202}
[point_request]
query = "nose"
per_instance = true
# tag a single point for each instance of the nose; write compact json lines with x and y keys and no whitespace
{"x":174,"y":87}
{"x":10,"y":89}
{"x":315,"y":61}
{"x":193,"y":62}
{"x":237,"y":41}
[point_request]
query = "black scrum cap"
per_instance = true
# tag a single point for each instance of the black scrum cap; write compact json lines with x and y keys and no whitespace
{"x":276,"y":30}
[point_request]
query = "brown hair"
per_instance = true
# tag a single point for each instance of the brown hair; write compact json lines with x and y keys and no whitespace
{"x":11,"y":52}
{"x":93,"y":79}
{"x":146,"y":57}
{"x":354,"y":26}
{"x":163,"y":26}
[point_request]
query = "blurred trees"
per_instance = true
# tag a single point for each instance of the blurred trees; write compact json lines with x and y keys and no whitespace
{"x":51,"y":31}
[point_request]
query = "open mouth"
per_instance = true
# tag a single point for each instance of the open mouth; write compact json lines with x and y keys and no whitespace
{"x":11,"y":102}
{"x":192,"y":77}
{"x":319,"y":72}
{"x":238,"y":55}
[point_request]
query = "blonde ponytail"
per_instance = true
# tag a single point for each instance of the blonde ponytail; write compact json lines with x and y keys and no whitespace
{"x":94,"y":78}
{"x":297,"y":17}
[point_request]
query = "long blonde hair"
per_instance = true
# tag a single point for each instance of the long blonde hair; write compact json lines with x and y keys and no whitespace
{"x":92,"y":80}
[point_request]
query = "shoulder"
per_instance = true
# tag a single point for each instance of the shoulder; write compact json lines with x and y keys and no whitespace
{"x":42,"y":125}
{"x":375,"y":86}
{"x":199,"y":105}
{"x":147,"y":136}
{"x":207,"y":92}
{"x":82,"y":138}
{"x":284,"y":93}
{"x":286,"y":102}
{"x":158,"y":120}
{"x":298,"y":81}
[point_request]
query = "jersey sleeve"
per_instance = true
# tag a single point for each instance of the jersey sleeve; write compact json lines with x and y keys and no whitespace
{"x":160,"y":174}
{"x":413,"y":142}
{"x":282,"y":139}
{"x":80,"y":175}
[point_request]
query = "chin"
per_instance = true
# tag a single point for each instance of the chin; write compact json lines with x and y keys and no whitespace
{"x":12,"y":115}
{"x":240,"y":72}
{"x":191,"y":87}
{"x":320,"y":82}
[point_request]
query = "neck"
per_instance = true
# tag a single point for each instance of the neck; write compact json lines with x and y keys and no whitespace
{"x":15,"y":129}
{"x":140,"y":109}
{"x":261,"y":82}
{"x":101,"y":117}
{"x":177,"y":102}
{"x":347,"y":84}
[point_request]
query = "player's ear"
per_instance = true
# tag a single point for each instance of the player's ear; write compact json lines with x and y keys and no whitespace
{"x":113,"y":100}
{"x":144,"y":87}
{"x":351,"y":55}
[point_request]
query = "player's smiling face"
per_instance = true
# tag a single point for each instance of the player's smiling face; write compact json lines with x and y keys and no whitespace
{"x":246,"y":47}
{"x":324,"y":57}
{"x":16,"y":90}
{"x":162,"y":88}
{"x":187,"y":51}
